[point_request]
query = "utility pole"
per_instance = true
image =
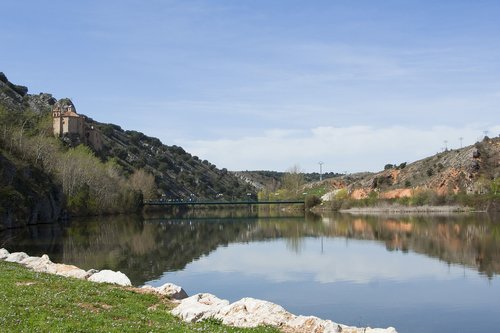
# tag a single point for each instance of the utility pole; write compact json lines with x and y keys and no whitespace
{"x":320,"y":170}
{"x":445,"y":145}
{"x":461,"y":138}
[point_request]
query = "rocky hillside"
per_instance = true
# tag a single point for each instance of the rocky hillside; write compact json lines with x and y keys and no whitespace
{"x":27,"y":195}
{"x":29,"y":152}
{"x":471,"y":170}
{"x":178,"y":174}
{"x":271,"y":180}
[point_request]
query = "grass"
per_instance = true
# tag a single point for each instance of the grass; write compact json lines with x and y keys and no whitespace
{"x":39,"y":302}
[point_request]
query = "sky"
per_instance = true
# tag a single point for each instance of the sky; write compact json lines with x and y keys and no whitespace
{"x":269,"y":84}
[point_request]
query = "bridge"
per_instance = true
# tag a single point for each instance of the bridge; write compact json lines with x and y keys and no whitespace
{"x":220,"y":203}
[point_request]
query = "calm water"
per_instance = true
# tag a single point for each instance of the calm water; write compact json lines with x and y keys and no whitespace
{"x":418,"y":274}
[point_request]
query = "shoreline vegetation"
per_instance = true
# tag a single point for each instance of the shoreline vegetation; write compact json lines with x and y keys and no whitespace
{"x":400,"y":209}
{"x":422,"y":202}
{"x":45,"y":296}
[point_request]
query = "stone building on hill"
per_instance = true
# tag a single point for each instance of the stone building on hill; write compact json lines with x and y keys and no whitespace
{"x":66,"y":123}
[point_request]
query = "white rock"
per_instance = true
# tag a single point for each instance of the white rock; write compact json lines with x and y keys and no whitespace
{"x":199,"y":307}
{"x":44,"y":265}
{"x":170,"y":290}
{"x":330,"y":195}
{"x":311,"y":324}
{"x":3,"y":254}
{"x":109,"y":276}
{"x":36,"y":263}
{"x":380,"y":330}
{"x":16,"y":257}
{"x":71,"y":271}
{"x":250,"y":312}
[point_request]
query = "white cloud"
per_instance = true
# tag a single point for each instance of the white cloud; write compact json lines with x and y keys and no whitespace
{"x":352,"y":149}
{"x":353,"y":260}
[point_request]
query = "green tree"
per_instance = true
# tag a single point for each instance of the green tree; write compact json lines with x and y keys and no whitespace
{"x":292,"y":182}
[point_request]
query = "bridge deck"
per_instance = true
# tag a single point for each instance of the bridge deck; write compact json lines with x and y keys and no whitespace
{"x":199,"y":203}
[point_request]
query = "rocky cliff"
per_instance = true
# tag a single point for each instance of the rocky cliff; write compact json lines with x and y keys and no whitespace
{"x":27,"y":195}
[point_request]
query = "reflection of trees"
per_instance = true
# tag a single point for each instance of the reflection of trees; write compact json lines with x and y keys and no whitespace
{"x":35,"y":240}
{"x":144,"y":250}
{"x":471,"y":240}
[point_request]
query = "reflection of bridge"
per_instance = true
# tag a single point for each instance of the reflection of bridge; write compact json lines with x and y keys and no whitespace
{"x":220,"y":203}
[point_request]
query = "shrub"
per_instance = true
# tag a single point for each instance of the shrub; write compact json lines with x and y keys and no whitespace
{"x":107,"y":129}
{"x":311,"y":201}
{"x":421,"y":198}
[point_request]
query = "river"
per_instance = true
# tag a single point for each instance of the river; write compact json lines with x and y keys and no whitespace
{"x":417,"y":273}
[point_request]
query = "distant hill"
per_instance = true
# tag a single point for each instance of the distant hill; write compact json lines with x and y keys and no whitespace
{"x":468,"y":169}
{"x":271,"y":180}
{"x":474,"y":169}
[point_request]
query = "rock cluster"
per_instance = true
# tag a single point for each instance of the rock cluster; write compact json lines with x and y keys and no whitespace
{"x":168,"y":289}
{"x":44,"y":265}
{"x":250,"y":312}
{"x":247,"y":312}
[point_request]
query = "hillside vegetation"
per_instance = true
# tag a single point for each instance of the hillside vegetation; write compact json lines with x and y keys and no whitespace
{"x":469,"y":176}
{"x":466,"y":177}
{"x":42,"y":176}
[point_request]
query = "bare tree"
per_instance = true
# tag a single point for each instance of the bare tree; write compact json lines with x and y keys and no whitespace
{"x":145,"y":182}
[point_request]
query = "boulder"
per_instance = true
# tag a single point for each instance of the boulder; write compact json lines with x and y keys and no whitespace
{"x":44,"y":265}
{"x":70,"y":271}
{"x":199,"y":307}
{"x":250,"y":312}
{"x":170,"y":290}
{"x":311,"y":324}
{"x":3,"y":254}
{"x":16,"y":257}
{"x":109,"y":276}
{"x":38,"y":264}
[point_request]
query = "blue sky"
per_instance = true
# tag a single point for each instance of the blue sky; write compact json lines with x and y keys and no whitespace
{"x":269,"y":84}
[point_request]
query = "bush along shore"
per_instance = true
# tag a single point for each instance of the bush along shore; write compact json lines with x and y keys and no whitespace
{"x":47,"y":296}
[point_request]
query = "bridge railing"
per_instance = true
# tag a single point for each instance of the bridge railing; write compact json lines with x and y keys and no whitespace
{"x":162,"y":202}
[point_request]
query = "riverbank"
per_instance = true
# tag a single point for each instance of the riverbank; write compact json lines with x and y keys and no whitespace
{"x":394,"y":208}
{"x":54,"y":302}
{"x":37,"y":302}
{"x":400,"y":209}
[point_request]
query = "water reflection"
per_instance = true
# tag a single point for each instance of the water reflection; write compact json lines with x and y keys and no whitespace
{"x":146,"y":248}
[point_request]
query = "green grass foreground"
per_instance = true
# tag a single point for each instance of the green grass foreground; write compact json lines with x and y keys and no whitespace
{"x":39,"y":302}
